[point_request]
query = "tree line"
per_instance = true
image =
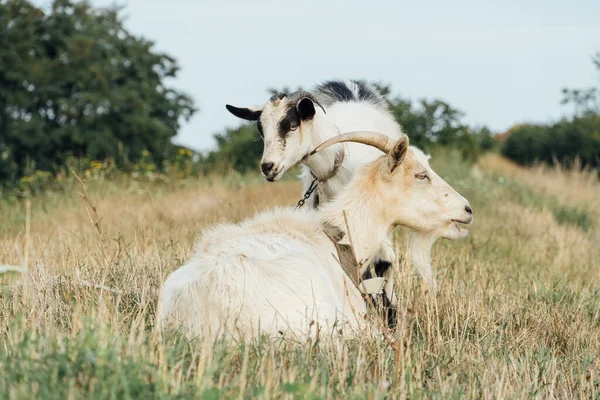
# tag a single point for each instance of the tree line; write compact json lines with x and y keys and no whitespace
{"x":571,"y":139}
{"x":76,"y":85}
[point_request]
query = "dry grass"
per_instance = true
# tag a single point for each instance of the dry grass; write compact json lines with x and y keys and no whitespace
{"x":571,"y":186}
{"x":517,"y":314}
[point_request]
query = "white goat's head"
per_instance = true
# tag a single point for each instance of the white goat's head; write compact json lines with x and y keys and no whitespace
{"x":285,"y":125}
{"x":411,"y":193}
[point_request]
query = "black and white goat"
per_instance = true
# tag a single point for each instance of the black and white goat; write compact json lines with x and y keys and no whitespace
{"x":292,"y":125}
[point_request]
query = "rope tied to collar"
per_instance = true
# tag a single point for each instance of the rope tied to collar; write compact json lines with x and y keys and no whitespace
{"x":339,"y":159}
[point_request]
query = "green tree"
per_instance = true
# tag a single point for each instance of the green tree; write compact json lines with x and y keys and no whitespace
{"x":430,"y":122}
{"x":238,"y":148}
{"x":486,"y":141}
{"x":565,"y":140}
{"x":75,"y":82}
{"x":527,"y":144}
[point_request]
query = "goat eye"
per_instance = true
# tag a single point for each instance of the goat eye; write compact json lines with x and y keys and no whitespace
{"x":422,"y":176}
{"x":293,"y":127}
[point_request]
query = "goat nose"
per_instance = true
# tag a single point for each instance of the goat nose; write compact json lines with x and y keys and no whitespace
{"x":468,"y":209}
{"x":266,"y":167}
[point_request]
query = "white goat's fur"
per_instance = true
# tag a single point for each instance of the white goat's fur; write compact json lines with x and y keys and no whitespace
{"x":279,"y":271}
{"x":276,"y":271}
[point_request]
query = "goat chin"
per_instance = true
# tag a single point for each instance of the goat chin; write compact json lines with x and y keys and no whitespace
{"x":419,"y":248}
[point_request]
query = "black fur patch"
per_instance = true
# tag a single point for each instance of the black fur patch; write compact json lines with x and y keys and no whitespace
{"x":290,"y":119}
{"x":380,"y":302}
{"x":260,"y":129}
{"x":338,"y":89}
{"x":391,"y":313}
{"x":381,"y":266}
{"x":366,"y":93}
{"x":316,"y":200}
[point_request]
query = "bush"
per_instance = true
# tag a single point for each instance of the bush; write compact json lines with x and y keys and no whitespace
{"x":563,"y":142}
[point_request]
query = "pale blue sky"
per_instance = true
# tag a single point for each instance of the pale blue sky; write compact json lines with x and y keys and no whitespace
{"x":501,"y":63}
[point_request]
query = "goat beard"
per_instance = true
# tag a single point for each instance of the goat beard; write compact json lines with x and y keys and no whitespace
{"x":419,"y":249}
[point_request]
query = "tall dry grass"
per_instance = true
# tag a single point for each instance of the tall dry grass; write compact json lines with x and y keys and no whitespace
{"x":517,"y":314}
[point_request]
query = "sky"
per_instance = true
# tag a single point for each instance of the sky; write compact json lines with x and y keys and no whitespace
{"x":501,"y":63}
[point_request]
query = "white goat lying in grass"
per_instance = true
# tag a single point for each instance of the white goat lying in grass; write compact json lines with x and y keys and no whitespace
{"x":280,"y":271}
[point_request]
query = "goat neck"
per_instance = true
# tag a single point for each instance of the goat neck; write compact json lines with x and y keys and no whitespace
{"x":359,"y":213}
{"x":322,"y":163}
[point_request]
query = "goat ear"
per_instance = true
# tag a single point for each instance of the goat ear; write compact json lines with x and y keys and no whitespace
{"x":306,"y":109}
{"x":398,"y":153}
{"x":244,"y":113}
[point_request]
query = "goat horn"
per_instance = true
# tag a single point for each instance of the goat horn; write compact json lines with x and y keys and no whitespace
{"x":377,"y":140}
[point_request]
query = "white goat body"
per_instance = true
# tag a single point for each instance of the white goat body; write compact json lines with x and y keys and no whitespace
{"x":275,"y":273}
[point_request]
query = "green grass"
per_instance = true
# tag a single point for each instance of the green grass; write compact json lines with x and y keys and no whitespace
{"x":563,"y":213}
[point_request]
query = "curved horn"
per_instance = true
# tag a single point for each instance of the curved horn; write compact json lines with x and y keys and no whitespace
{"x":377,"y":140}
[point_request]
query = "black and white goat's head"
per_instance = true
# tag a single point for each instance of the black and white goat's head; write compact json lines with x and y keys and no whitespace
{"x":285,"y":124}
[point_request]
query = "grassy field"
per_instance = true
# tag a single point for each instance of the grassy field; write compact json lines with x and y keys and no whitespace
{"x":517,"y":314}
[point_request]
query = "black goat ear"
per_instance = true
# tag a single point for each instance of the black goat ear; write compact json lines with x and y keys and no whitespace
{"x":306,"y":109}
{"x":244,"y":113}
